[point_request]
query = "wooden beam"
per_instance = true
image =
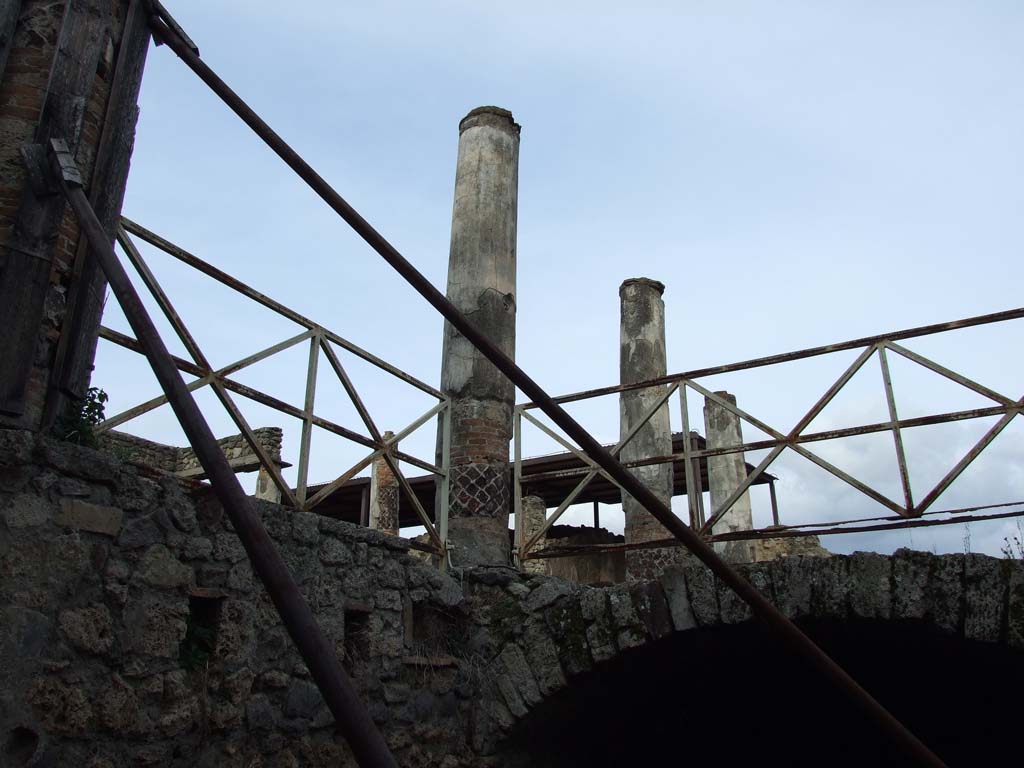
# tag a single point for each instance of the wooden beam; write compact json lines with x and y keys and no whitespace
{"x":9,"y":13}
{"x":28,"y":254}
{"x":76,"y":348}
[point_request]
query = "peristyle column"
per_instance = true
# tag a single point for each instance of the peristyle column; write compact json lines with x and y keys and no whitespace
{"x":642,"y":357}
{"x":725,"y":473}
{"x":482,"y":284}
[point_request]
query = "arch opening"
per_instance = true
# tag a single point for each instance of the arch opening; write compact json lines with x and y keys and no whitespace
{"x":730,"y":695}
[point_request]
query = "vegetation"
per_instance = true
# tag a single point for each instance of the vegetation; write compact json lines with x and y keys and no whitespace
{"x":77,"y":423}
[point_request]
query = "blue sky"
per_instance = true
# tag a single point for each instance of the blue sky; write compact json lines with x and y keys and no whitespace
{"x":796,"y":173}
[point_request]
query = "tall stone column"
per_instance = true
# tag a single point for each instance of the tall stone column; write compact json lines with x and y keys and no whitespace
{"x":642,"y":357}
{"x":384,"y":495}
{"x":725,"y":473}
{"x":482,"y":284}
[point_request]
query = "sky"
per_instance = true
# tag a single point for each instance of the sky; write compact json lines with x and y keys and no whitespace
{"x":796,"y":173}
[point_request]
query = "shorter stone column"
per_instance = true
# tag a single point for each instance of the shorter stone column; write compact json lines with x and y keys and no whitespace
{"x":535,"y":513}
{"x":384,"y":495}
{"x":266,"y":488}
{"x":725,"y":473}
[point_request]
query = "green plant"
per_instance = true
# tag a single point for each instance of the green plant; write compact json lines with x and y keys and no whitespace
{"x":76,"y":425}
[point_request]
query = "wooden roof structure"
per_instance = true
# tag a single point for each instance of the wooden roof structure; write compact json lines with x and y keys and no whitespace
{"x":560,"y":473}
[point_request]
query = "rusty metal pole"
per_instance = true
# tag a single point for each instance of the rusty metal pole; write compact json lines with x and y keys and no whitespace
{"x":319,"y":655}
{"x":783,"y":627}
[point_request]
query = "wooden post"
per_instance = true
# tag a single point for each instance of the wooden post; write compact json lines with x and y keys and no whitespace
{"x":79,"y":332}
{"x":28,"y":253}
{"x":9,"y":13}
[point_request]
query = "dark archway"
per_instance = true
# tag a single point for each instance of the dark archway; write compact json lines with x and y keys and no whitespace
{"x":729,"y":696}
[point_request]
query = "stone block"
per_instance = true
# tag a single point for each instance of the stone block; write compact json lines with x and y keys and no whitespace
{"x":731,"y":607}
{"x":542,"y":657}
{"x":141,"y":532}
{"x":227,"y":546}
{"x":870,"y":586}
{"x":198,"y":548}
{"x":24,"y":632}
{"x":944,"y":593}
{"x":259,"y":713}
{"x":334,"y":552}
{"x":79,"y":461}
{"x":303,"y":700}
{"x":62,"y":708}
{"x":179,"y":719}
{"x":179,"y":508}
{"x":510,"y":694}
{"x":89,"y":629}
{"x":652,"y":608}
{"x":629,"y":630}
{"x":154,"y":624}
{"x":568,"y":630}
{"x":118,"y":708}
{"x":547,"y":592}
{"x":985,"y":597}
{"x":703,"y":600}
{"x":306,"y":527}
{"x":830,"y":589}
{"x":910,"y":572}
{"x":517,"y":671}
{"x":387,"y":600}
{"x":240,"y":577}
{"x":792,"y":578}
{"x":16,"y":445}
{"x":236,"y":634}
{"x":27,"y":510}
{"x":1015,"y":605}
{"x":673,"y":583}
{"x":161,"y":569}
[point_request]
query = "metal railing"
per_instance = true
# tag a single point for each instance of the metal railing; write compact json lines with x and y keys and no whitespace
{"x":321,"y":342}
{"x":908,"y":512}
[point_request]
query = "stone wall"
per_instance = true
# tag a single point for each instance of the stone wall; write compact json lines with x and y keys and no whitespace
{"x":183,"y":461}
{"x":236,"y":448}
{"x":134,"y":633}
{"x":597,"y":568}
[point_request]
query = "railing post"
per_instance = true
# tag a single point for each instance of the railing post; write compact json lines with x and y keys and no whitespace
{"x":307,"y":419}
{"x":521,"y":534}
{"x":442,"y":503}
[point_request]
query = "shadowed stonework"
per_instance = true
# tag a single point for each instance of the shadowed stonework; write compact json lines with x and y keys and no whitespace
{"x":134,"y":633}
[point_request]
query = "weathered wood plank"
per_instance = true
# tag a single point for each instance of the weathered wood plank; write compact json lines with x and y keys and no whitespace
{"x":25,"y":262}
{"x":79,"y":333}
{"x":10,"y":10}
